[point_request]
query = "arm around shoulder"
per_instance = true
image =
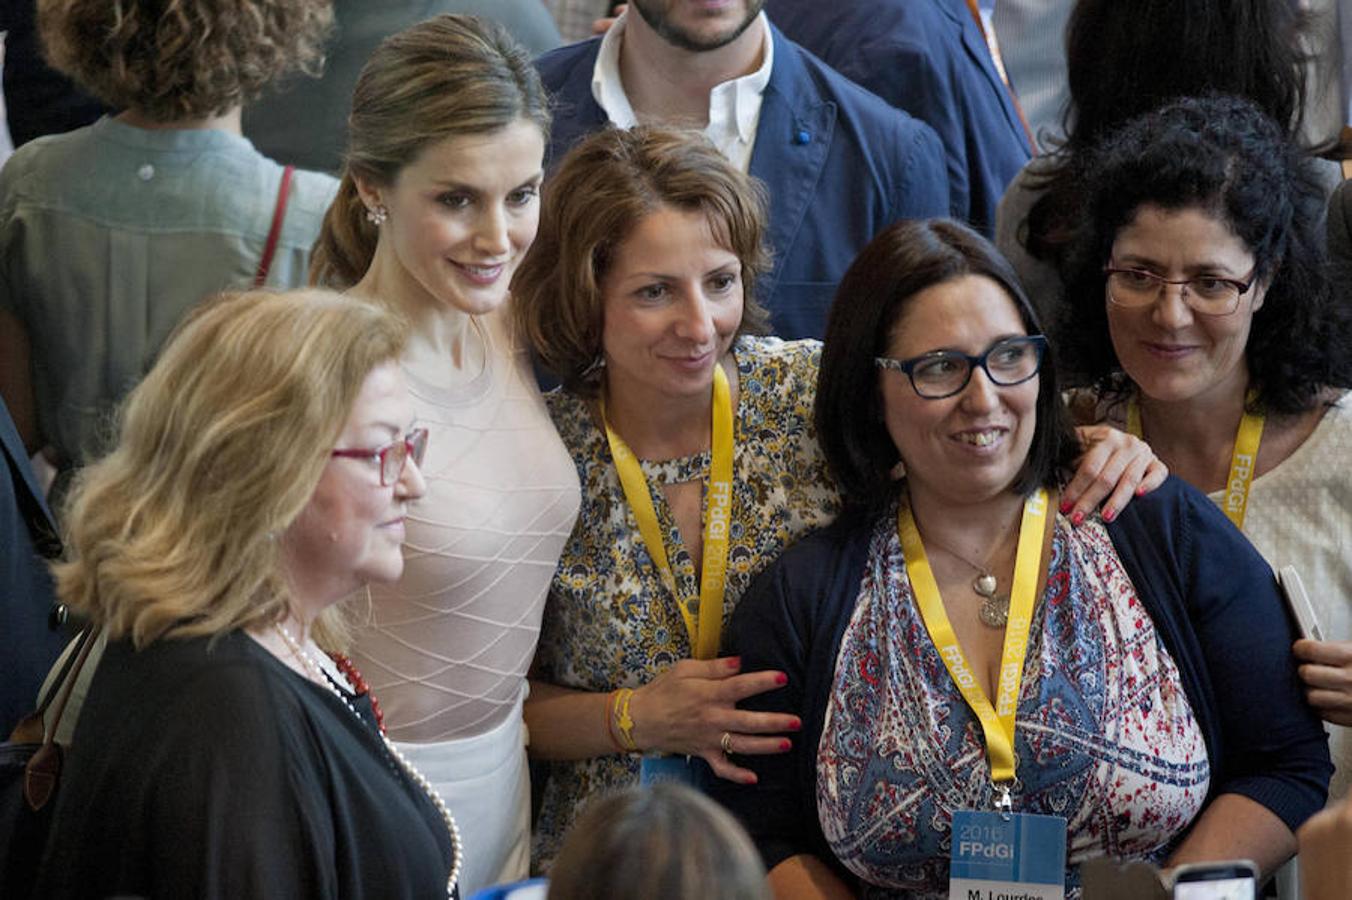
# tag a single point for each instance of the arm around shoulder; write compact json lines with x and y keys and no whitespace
{"x":1215,"y":604}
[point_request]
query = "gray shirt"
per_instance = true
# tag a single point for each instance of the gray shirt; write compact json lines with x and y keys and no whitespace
{"x":110,"y":233}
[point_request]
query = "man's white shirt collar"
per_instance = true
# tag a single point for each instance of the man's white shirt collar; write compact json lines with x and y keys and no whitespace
{"x":734,"y":106}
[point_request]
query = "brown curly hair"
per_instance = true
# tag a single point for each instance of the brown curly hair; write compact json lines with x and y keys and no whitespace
{"x":174,"y":60}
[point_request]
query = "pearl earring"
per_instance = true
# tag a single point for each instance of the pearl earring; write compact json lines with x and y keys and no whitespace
{"x":377,"y":216}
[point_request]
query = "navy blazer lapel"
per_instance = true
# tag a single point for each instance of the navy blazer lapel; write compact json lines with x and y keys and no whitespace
{"x":793,"y":138}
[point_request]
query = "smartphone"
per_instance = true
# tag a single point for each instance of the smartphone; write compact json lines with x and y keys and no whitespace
{"x":1299,"y":603}
{"x":1233,"y":880}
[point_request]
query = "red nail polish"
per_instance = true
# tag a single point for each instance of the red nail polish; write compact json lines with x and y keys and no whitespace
{"x":1077,"y":518}
{"x":1140,"y":491}
{"x":1109,"y":515}
{"x":1066,"y":506}
{"x":785,"y":745}
{"x":751,"y":779}
{"x":796,"y":725}
{"x":781,"y":679}
{"x":734,"y":662}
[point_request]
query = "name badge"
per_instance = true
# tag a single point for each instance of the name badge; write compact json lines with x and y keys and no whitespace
{"x":660,"y":769}
{"x":1013,"y":856}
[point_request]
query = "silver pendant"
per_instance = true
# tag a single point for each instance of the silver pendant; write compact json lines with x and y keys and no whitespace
{"x":994,"y":610}
{"x":984,"y":584}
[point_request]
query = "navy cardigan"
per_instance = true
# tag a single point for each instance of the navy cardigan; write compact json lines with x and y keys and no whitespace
{"x":1214,"y":602}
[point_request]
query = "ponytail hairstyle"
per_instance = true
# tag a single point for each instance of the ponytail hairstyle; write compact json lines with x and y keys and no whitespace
{"x":445,"y":77}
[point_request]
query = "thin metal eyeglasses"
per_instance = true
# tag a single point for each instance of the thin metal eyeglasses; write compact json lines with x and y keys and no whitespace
{"x":392,"y":457}
{"x":943,"y":373}
{"x":1209,"y":295}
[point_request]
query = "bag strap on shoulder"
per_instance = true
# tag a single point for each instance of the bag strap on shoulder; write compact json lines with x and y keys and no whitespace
{"x":275,"y":232}
{"x":43,"y":771}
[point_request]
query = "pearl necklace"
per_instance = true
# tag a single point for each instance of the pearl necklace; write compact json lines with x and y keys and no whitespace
{"x":317,"y":673}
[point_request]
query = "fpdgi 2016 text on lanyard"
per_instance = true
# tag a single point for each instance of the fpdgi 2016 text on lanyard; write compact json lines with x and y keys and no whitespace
{"x":994,"y":852}
{"x":703,"y":615}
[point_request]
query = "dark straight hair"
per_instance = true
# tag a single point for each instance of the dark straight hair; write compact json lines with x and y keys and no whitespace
{"x":899,"y":263}
{"x":1127,"y":57}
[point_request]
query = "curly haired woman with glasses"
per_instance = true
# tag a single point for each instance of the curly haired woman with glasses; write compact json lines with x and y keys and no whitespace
{"x":1203,"y":315}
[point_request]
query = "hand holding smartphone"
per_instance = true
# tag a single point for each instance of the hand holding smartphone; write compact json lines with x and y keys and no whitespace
{"x":1232,"y":880}
{"x":1298,"y":602}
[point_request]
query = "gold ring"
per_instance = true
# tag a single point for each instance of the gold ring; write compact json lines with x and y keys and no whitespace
{"x":726,"y":743}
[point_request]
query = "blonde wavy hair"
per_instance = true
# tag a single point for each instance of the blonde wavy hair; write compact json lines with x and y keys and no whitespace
{"x":174,"y":60}
{"x":445,"y":77}
{"x":175,"y":533}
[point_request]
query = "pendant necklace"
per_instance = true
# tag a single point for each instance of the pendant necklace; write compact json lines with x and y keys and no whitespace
{"x":994,"y":611}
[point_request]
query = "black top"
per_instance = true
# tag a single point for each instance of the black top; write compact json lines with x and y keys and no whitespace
{"x":209,"y":769}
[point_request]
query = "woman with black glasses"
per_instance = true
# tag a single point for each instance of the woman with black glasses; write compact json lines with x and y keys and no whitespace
{"x":959,"y":652}
{"x":1203,"y":317}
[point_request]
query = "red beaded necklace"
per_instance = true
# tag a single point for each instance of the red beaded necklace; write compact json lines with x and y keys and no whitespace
{"x":353,"y":675}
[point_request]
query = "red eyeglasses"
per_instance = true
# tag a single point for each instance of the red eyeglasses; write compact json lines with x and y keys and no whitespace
{"x":393,"y":456}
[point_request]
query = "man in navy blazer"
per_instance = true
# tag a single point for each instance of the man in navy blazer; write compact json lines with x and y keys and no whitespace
{"x":839,"y":164}
{"x":929,"y":58}
{"x":30,"y":638}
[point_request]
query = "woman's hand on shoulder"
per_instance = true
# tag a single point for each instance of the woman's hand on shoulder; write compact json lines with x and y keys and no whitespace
{"x":1114,"y":467}
{"x":1326,"y":670}
{"x":691,"y":706}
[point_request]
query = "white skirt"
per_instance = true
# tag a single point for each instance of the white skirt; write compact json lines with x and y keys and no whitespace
{"x":486,"y":783}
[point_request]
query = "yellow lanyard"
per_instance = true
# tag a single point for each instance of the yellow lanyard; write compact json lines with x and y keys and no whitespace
{"x":997,"y":722}
{"x":1243,"y":458}
{"x":703,"y":614}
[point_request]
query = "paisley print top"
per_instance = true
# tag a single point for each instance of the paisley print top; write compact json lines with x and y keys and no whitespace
{"x":1105,"y":736}
{"x":609,"y":621}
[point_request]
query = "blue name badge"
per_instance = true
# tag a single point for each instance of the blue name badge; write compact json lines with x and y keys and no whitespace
{"x":659,"y":769}
{"x":1019,"y":857}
